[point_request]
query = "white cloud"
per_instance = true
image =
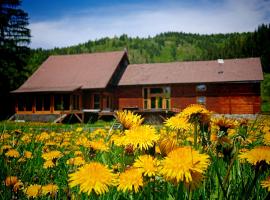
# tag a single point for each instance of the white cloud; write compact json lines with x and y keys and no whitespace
{"x":137,"y":20}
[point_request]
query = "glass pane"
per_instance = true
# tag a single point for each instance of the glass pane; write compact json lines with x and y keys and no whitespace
{"x":159,"y":102}
{"x":66,"y":101}
{"x":153,"y":102}
{"x":21,"y":102}
{"x":96,"y":101}
{"x":47,"y":102}
{"x":156,"y":90}
{"x":57,"y":102}
{"x":201,"y":100}
{"x":201,"y":88}
{"x":39,"y":102}
{"x":28,"y":103}
{"x":145,"y":104}
{"x":145,"y":93}
{"x":167,"y":103}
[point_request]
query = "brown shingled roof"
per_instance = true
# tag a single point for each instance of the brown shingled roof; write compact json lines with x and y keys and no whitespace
{"x":70,"y":72}
{"x":232,"y":70}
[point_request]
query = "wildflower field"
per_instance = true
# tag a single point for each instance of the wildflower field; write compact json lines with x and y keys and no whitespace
{"x":193,"y":155}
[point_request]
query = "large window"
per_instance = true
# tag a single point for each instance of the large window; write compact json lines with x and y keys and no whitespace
{"x":96,"y":101}
{"x":156,"y":97}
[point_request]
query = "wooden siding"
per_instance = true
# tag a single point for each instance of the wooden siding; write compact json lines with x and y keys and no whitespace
{"x":224,"y":98}
{"x":129,"y":97}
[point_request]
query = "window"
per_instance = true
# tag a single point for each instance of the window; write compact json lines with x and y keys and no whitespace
{"x":47,"y":102}
{"x":21,"y":103}
{"x":39,"y":103}
{"x":96,"y":101}
{"x":201,"y":88}
{"x":156,"y":97}
{"x":201,"y":100}
{"x":156,"y":90}
{"x":76,"y":102}
{"x":66,"y":101}
{"x":58,"y":102}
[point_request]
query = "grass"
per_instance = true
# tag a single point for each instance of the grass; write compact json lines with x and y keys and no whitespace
{"x":220,"y":145}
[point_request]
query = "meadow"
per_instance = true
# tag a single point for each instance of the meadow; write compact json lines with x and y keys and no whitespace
{"x":193,"y":155}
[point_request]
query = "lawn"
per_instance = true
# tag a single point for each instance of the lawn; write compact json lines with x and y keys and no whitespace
{"x":192,"y":156}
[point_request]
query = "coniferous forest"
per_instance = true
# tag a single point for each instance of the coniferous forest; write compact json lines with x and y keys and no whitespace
{"x":18,"y":61}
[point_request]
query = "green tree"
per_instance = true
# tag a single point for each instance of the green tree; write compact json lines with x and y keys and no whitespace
{"x":14,"y":36}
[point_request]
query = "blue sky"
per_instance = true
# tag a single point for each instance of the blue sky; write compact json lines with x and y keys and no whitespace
{"x":59,"y":23}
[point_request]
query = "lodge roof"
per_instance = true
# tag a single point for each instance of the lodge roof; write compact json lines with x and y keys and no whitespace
{"x":70,"y":72}
{"x":229,"y":70}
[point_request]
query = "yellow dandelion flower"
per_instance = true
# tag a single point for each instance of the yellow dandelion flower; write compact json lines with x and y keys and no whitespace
{"x":51,"y":189}
{"x":77,"y":161}
{"x":266,"y":184}
{"x":266,"y":139}
{"x":98,"y":133}
{"x":166,"y":145}
{"x":196,"y":112}
{"x":128,"y":119}
{"x":79,"y":129}
{"x":182,"y":162}
{"x":26,"y":138}
{"x":33,"y":191}
{"x":52,"y":155}
{"x":12,"y":153}
{"x":130,"y":180}
{"x":78,"y":153}
{"x":92,"y":177}
{"x":4,"y":136}
{"x":83,"y":141}
{"x":49,"y":164}
{"x":142,"y":137}
{"x":42,"y":137}
{"x":13,"y":181}
{"x":28,"y":154}
{"x":178,"y":122}
{"x":224,"y":123}
{"x":5,"y":147}
{"x":257,"y":155}
{"x":99,"y":145}
{"x":147,"y":164}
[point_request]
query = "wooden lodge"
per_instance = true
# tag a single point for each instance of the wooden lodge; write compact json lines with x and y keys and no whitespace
{"x":104,"y":82}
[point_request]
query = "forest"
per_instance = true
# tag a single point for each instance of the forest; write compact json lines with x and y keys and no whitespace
{"x":177,"y":46}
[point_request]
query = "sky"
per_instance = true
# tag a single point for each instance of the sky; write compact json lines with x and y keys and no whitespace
{"x":61,"y":23}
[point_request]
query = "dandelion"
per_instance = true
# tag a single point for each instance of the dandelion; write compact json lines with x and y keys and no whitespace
{"x":257,"y":155}
{"x":92,"y":177}
{"x":130,"y":180}
{"x":78,"y":153}
{"x":12,"y":153}
{"x":51,"y":189}
{"x":182,"y":162}
{"x":147,"y":164}
{"x":79,"y":129}
{"x":129,"y":119}
{"x":49,"y":164}
{"x":266,"y":184}
{"x":224,"y":123}
{"x":42,"y":137}
{"x":196,"y":112}
{"x":166,"y":145}
{"x":178,"y":123}
{"x":266,"y":139}
{"x":5,"y":147}
{"x":52,"y":155}
{"x":28,"y":154}
{"x":99,"y":145}
{"x":33,"y":191}
{"x":13,"y":181}
{"x":77,"y":161}
{"x":142,"y":137}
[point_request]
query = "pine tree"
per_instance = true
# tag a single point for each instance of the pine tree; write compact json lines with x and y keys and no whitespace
{"x":14,"y":36}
